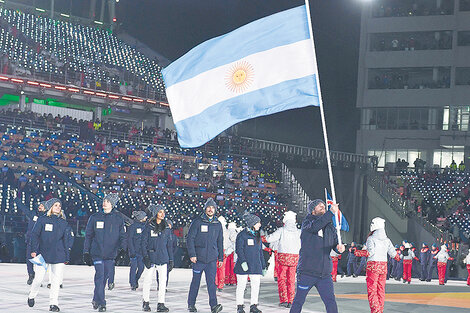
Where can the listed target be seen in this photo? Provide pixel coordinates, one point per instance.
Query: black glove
(147, 262)
(121, 255)
(87, 259)
(170, 266)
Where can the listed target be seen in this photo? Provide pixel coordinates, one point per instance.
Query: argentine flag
(261, 68)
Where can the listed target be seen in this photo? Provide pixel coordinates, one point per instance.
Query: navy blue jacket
(104, 235)
(134, 238)
(314, 256)
(50, 238)
(249, 251)
(425, 256)
(205, 239)
(157, 243)
(31, 222)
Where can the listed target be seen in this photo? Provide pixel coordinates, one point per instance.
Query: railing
(404, 208)
(316, 153)
(295, 190)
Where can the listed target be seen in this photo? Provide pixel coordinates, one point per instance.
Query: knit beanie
(139, 215)
(113, 198)
(312, 204)
(49, 203)
(210, 202)
(250, 219)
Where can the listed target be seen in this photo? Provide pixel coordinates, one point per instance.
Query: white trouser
(50, 276)
(241, 286)
(149, 276)
(57, 274)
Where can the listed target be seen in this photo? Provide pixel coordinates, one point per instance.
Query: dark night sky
(173, 27)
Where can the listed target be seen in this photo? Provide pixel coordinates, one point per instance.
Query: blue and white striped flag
(261, 68)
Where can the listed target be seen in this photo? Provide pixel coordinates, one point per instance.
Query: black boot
(49, 286)
(102, 308)
(162, 308)
(111, 286)
(30, 279)
(134, 288)
(240, 308)
(146, 307)
(95, 305)
(192, 308)
(216, 308)
(54, 308)
(30, 302)
(254, 309)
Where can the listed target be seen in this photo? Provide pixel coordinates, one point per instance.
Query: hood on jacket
(379, 234)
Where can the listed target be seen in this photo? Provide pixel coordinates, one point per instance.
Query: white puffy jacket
(442, 255)
(230, 237)
(467, 259)
(378, 245)
(287, 238)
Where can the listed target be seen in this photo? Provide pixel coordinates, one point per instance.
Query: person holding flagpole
(318, 237)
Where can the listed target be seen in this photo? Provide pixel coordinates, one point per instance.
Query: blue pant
(137, 267)
(110, 276)
(360, 267)
(431, 266)
(351, 267)
(209, 269)
(29, 265)
(399, 270)
(424, 271)
(324, 287)
(102, 269)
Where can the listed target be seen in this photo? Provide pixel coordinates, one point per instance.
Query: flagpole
(323, 122)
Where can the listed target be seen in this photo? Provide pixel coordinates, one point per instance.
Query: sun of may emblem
(239, 77)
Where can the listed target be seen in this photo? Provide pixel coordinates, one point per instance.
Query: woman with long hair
(50, 239)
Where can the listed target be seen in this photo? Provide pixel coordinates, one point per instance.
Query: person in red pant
(467, 261)
(220, 275)
(230, 276)
(287, 240)
(335, 257)
(442, 258)
(408, 256)
(377, 247)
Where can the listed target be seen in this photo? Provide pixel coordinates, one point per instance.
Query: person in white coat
(287, 240)
(467, 261)
(377, 247)
(230, 276)
(408, 256)
(442, 256)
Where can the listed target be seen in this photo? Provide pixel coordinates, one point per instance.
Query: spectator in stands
(103, 245)
(461, 167)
